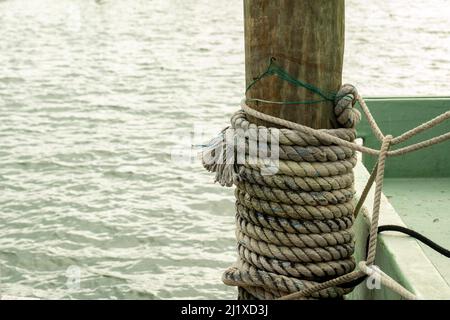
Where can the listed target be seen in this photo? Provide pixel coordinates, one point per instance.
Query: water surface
(94, 96)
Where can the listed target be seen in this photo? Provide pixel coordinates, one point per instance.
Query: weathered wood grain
(307, 39)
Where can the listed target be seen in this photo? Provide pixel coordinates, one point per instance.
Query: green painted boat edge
(398, 115)
(398, 255)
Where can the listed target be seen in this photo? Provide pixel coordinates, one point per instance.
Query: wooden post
(307, 39)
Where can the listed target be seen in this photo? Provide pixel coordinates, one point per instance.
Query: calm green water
(94, 96)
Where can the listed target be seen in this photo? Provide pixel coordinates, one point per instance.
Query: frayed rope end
(219, 156)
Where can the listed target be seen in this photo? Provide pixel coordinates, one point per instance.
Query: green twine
(275, 69)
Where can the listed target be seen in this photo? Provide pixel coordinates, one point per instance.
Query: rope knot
(346, 113)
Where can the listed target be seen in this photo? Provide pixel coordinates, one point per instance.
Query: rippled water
(94, 96)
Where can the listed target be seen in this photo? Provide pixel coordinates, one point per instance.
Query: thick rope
(292, 239)
(246, 275)
(321, 198)
(294, 227)
(294, 211)
(296, 183)
(326, 137)
(302, 226)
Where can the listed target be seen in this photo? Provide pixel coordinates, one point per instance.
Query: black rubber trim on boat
(433, 245)
(390, 227)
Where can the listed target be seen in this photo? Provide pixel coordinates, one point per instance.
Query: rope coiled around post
(294, 227)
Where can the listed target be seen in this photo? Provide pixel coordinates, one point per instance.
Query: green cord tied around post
(273, 69)
(344, 99)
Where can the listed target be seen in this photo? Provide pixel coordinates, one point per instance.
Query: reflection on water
(93, 97)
